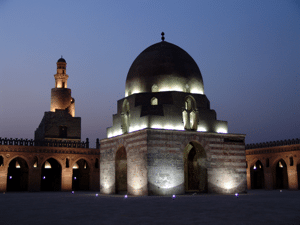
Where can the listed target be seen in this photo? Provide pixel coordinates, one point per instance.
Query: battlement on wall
(49, 143)
(273, 144)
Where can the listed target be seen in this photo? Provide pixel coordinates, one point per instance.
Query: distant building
(165, 139)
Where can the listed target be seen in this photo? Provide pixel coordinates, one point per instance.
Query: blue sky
(248, 53)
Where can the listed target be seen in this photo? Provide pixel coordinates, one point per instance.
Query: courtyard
(255, 207)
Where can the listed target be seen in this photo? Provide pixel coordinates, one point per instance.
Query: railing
(273, 144)
(50, 143)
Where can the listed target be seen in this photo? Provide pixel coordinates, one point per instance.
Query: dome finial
(162, 36)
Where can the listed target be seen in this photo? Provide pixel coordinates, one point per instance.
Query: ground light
(173, 196)
(125, 196)
(237, 195)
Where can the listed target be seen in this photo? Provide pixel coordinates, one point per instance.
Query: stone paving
(255, 207)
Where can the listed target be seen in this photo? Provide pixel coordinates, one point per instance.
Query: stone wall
(157, 158)
(269, 157)
(42, 154)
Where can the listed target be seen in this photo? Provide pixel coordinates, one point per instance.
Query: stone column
(66, 179)
(34, 179)
(3, 178)
(292, 177)
(248, 178)
(268, 176)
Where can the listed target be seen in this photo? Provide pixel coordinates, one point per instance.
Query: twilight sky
(247, 51)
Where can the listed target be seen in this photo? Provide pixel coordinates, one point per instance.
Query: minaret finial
(61, 56)
(162, 36)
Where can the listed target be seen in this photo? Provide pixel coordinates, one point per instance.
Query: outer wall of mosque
(274, 165)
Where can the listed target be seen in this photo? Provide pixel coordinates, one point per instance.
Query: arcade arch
(121, 170)
(280, 176)
(51, 175)
(17, 175)
(81, 175)
(257, 175)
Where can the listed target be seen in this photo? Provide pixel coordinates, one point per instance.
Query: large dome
(164, 67)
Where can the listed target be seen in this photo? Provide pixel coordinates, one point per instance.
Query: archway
(17, 175)
(280, 176)
(51, 176)
(121, 171)
(195, 171)
(81, 176)
(257, 176)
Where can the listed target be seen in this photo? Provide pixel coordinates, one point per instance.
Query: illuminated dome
(164, 67)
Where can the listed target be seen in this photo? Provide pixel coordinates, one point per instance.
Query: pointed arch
(195, 169)
(257, 175)
(190, 114)
(17, 175)
(81, 175)
(154, 101)
(1, 160)
(51, 175)
(280, 176)
(121, 170)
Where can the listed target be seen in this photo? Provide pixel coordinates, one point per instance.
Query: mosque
(164, 140)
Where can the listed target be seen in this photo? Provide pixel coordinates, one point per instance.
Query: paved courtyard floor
(255, 207)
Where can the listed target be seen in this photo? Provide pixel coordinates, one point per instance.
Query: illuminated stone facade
(273, 165)
(165, 139)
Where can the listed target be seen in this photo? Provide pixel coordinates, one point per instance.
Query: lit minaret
(61, 95)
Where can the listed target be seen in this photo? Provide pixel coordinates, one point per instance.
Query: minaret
(60, 123)
(61, 95)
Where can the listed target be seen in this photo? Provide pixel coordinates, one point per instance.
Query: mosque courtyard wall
(26, 168)
(274, 165)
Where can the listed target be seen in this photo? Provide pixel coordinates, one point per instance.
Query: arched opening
(1, 161)
(193, 178)
(154, 101)
(67, 163)
(97, 163)
(154, 88)
(51, 176)
(17, 175)
(121, 171)
(81, 176)
(125, 117)
(189, 114)
(257, 176)
(280, 176)
(195, 171)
